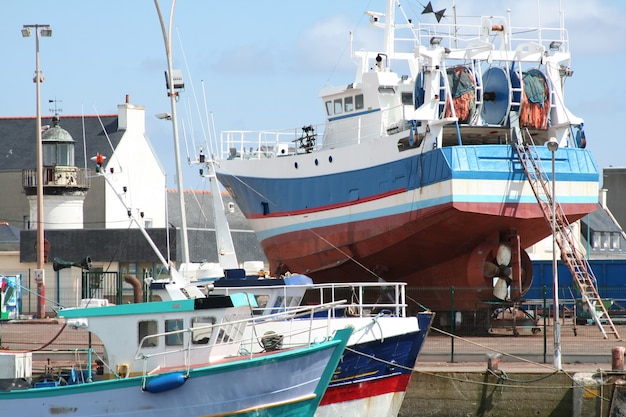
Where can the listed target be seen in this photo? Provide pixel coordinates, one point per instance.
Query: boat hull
(222, 389)
(372, 378)
(421, 218)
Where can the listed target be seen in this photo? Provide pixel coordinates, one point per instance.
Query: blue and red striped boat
(415, 175)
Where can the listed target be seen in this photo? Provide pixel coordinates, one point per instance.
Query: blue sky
(261, 64)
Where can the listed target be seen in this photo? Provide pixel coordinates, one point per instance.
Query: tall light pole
(167, 38)
(553, 145)
(45, 31)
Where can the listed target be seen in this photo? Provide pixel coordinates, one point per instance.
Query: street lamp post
(553, 145)
(167, 38)
(45, 31)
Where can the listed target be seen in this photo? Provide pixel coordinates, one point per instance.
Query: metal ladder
(574, 259)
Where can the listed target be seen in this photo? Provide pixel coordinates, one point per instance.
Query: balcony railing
(59, 177)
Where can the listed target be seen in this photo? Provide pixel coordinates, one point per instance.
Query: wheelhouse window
(329, 108)
(358, 101)
(338, 106)
(348, 104)
(383, 89)
(201, 330)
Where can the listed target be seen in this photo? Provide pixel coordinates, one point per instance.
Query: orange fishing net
(535, 105)
(462, 86)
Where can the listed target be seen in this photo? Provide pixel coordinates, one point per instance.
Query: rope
(292, 217)
(501, 377)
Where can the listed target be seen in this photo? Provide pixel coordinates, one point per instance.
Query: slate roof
(201, 227)
(9, 237)
(129, 245)
(17, 135)
(600, 221)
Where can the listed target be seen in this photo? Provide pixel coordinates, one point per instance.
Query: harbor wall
(486, 394)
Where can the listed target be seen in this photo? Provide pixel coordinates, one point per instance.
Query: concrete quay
(453, 378)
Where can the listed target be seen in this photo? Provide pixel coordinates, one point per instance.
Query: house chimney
(131, 117)
(603, 193)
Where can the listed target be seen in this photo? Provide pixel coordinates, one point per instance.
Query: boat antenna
(213, 126)
(193, 92)
(456, 29)
(212, 138)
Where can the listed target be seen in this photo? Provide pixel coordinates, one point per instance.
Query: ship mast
(390, 19)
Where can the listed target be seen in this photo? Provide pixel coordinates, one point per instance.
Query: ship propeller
(505, 267)
(499, 266)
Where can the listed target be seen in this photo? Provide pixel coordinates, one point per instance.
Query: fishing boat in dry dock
(179, 358)
(417, 173)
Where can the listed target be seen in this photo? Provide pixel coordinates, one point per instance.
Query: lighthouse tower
(64, 185)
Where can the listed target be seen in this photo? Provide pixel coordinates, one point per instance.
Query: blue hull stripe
(478, 163)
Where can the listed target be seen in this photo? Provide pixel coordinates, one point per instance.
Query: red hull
(429, 248)
(351, 392)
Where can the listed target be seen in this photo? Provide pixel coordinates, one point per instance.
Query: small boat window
(348, 104)
(338, 106)
(358, 101)
(329, 108)
(407, 98)
(261, 300)
(296, 301)
(175, 339)
(288, 301)
(279, 305)
(383, 89)
(201, 330)
(147, 328)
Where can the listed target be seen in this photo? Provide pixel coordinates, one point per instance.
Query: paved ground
(583, 350)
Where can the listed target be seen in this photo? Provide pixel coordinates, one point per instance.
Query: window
(595, 240)
(261, 300)
(175, 339)
(65, 154)
(49, 155)
(358, 101)
(615, 239)
(58, 154)
(329, 108)
(348, 104)
(338, 106)
(202, 335)
(407, 98)
(147, 328)
(383, 89)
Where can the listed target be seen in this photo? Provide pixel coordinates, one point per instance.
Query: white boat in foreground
(376, 368)
(179, 358)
